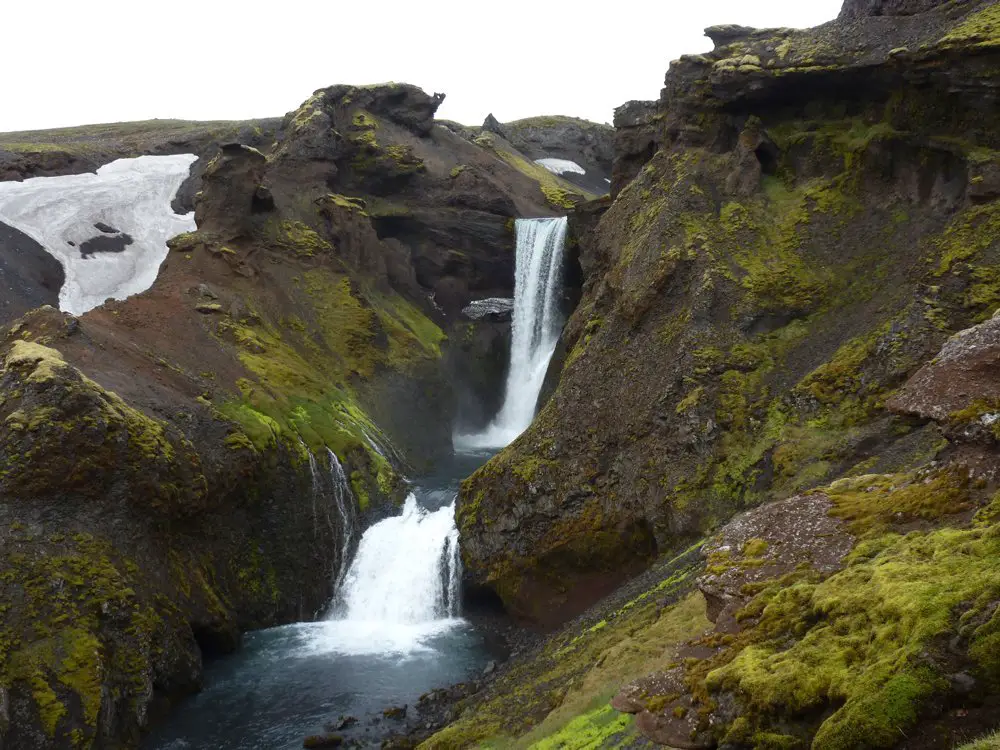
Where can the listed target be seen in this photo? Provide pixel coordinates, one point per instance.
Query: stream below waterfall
(394, 633)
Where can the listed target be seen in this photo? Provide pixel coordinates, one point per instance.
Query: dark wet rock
(323, 741)
(29, 276)
(342, 723)
(396, 713)
(104, 244)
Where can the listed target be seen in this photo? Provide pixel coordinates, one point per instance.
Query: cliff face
(774, 399)
(820, 215)
(164, 475)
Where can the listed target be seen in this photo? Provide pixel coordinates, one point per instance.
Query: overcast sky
(69, 62)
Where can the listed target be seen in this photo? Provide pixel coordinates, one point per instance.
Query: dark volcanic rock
(102, 243)
(862, 8)
(636, 141)
(232, 181)
(29, 276)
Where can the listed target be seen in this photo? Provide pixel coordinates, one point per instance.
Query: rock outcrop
(588, 145)
(29, 276)
(636, 141)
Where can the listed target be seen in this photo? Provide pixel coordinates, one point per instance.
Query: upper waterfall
(537, 325)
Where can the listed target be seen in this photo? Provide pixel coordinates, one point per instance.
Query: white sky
(69, 62)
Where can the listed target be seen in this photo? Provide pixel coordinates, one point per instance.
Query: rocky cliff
(763, 311)
(165, 481)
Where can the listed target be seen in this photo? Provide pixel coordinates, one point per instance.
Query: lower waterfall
(405, 571)
(536, 328)
(393, 632)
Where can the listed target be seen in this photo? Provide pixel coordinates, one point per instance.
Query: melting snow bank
(109, 230)
(561, 166)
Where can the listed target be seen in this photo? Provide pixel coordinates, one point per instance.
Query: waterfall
(406, 569)
(343, 498)
(317, 486)
(537, 325)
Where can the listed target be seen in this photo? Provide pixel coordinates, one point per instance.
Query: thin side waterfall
(343, 497)
(406, 571)
(536, 328)
(337, 488)
(317, 486)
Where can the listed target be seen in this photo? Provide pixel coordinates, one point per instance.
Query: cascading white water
(536, 328)
(402, 587)
(405, 572)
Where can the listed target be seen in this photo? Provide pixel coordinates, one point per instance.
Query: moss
(873, 502)
(68, 595)
(690, 401)
(296, 237)
(589, 731)
(360, 488)
(455, 172)
(364, 120)
(755, 548)
(861, 639)
(529, 467)
(348, 202)
(980, 29)
(558, 197)
(972, 231)
(989, 742)
(559, 699)
(841, 377)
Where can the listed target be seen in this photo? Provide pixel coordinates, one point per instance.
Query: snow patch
(129, 197)
(561, 166)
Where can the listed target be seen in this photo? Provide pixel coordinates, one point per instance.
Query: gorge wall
(755, 415)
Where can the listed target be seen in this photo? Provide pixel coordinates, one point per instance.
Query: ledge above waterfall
(495, 308)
